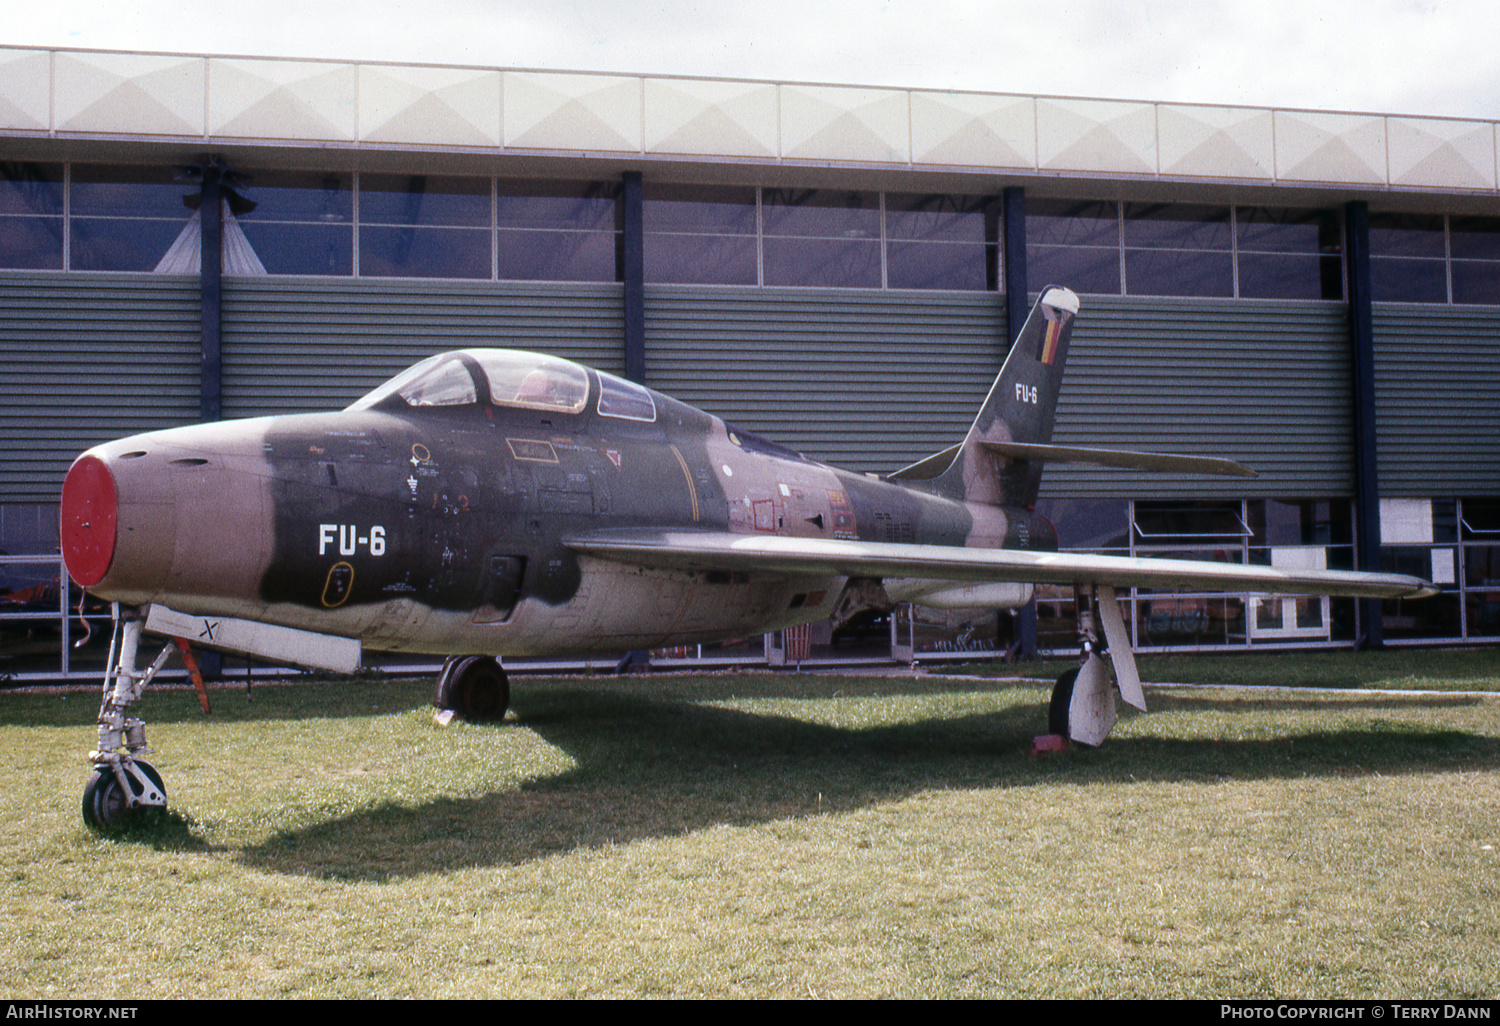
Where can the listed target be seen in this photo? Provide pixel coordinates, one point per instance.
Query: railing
(45, 597)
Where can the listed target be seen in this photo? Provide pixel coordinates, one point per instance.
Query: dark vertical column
(211, 276)
(633, 274)
(1362, 350)
(1016, 308)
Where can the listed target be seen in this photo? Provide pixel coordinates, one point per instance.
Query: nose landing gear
(123, 786)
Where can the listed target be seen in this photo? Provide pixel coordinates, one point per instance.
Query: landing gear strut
(1083, 700)
(475, 687)
(123, 786)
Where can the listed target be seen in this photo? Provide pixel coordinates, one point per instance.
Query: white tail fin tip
(1061, 299)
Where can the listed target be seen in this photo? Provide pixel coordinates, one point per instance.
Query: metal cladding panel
(1437, 386)
(870, 381)
(88, 358)
(1265, 383)
(299, 346)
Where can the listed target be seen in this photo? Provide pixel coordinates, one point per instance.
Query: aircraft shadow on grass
(650, 767)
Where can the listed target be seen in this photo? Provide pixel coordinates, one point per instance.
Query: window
(1408, 258)
(1090, 525)
(420, 226)
(701, 235)
(1291, 522)
(1184, 249)
(1289, 254)
(1306, 533)
(937, 241)
(1204, 524)
(738, 235)
(625, 400)
(447, 384)
(533, 381)
(125, 218)
(556, 231)
(442, 380)
(1433, 258)
(303, 221)
(529, 380)
(822, 237)
(31, 216)
(1175, 249)
(1475, 247)
(1075, 244)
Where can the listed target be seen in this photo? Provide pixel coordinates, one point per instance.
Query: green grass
(762, 835)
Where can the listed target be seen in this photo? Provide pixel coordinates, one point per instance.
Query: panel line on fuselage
(692, 488)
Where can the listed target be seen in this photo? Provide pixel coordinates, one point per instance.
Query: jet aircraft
(490, 503)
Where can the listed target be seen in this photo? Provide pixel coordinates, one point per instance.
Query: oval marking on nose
(338, 584)
(87, 518)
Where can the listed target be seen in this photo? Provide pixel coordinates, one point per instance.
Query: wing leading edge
(707, 550)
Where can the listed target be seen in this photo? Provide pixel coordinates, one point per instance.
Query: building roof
(87, 104)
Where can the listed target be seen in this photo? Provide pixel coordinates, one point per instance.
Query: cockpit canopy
(510, 377)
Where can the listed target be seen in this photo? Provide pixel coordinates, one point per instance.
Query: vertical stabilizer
(1019, 409)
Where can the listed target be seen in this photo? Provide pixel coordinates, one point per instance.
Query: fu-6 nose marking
(349, 539)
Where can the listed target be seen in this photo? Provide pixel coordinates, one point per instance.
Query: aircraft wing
(708, 550)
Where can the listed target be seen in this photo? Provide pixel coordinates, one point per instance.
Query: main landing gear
(474, 687)
(1083, 700)
(123, 787)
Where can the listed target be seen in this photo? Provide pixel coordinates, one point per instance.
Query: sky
(1420, 57)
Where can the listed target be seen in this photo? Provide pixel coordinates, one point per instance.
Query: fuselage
(430, 518)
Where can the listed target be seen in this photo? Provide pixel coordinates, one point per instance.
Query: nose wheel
(118, 796)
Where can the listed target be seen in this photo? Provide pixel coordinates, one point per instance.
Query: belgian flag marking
(1049, 342)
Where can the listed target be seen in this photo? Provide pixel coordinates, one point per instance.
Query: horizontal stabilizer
(1120, 458)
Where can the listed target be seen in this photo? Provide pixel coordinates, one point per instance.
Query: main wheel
(1062, 701)
(476, 688)
(107, 808)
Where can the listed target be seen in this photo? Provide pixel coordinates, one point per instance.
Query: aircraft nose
(169, 516)
(116, 530)
(89, 513)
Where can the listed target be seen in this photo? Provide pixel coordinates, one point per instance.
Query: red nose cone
(87, 529)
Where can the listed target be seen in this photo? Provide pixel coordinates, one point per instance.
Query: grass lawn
(751, 834)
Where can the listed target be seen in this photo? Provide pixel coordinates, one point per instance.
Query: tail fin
(1019, 410)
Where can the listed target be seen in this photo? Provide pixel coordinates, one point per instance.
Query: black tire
(476, 688)
(444, 677)
(106, 808)
(1062, 700)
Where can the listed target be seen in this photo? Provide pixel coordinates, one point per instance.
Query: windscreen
(532, 381)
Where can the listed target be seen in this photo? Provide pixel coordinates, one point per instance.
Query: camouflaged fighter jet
(498, 503)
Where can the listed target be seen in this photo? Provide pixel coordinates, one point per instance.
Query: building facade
(1314, 293)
